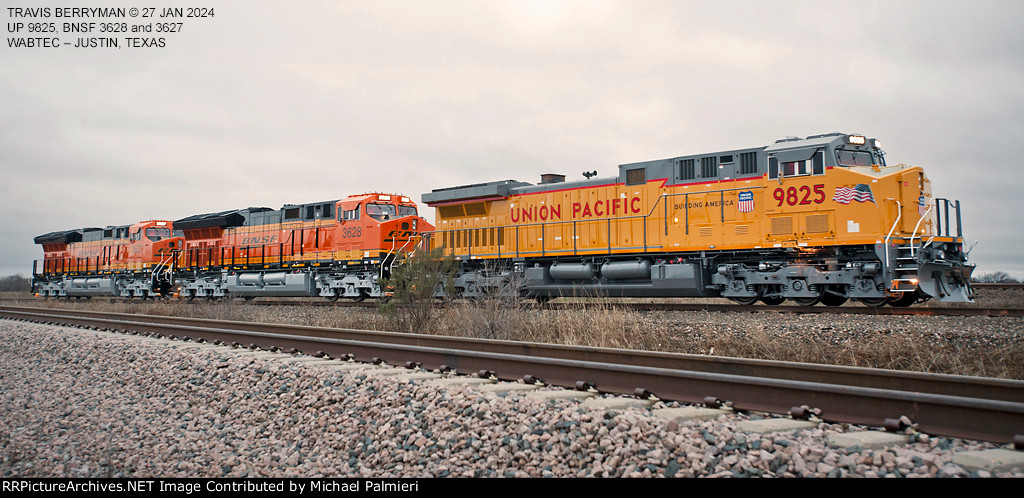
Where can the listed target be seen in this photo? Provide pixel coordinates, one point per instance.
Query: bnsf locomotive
(129, 260)
(816, 219)
(338, 248)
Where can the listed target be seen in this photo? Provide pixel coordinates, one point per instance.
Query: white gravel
(82, 403)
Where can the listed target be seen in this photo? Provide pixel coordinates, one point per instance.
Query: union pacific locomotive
(816, 219)
(338, 248)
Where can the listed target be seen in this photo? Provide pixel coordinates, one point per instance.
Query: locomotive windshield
(380, 212)
(156, 234)
(856, 158)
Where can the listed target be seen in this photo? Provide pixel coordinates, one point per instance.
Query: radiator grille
(782, 225)
(817, 223)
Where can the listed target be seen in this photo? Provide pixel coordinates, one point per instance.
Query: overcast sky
(270, 103)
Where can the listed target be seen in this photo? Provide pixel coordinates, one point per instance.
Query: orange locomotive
(820, 219)
(338, 248)
(128, 261)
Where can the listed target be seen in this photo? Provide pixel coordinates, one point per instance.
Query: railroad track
(945, 405)
(718, 307)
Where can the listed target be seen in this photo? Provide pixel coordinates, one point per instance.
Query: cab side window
(815, 165)
(350, 215)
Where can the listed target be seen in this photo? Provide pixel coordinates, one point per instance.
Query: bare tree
(998, 277)
(15, 283)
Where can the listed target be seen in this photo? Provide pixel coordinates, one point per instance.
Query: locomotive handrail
(945, 214)
(899, 215)
(914, 234)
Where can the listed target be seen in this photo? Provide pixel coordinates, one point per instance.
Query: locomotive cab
(153, 240)
(391, 222)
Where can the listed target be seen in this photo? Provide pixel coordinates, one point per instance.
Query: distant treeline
(15, 283)
(997, 277)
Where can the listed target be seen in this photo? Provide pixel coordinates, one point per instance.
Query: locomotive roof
(65, 236)
(477, 190)
(232, 218)
(787, 149)
(245, 217)
(83, 234)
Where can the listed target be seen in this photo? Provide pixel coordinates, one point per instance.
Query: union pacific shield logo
(746, 202)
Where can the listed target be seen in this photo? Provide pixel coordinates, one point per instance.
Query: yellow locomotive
(816, 219)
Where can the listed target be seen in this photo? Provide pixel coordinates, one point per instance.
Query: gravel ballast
(81, 403)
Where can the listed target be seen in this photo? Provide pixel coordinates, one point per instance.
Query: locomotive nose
(167, 246)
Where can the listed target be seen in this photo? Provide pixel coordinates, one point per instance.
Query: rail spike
(586, 385)
(804, 412)
(645, 394)
(897, 424)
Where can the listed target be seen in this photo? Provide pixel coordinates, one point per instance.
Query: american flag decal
(746, 202)
(860, 193)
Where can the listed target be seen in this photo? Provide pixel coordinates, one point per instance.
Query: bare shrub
(413, 286)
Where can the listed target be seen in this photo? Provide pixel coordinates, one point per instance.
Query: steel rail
(945, 415)
(716, 307)
(949, 385)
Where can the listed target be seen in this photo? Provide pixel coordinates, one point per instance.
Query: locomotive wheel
(874, 302)
(332, 298)
(360, 298)
(745, 301)
(772, 301)
(905, 300)
(807, 301)
(830, 299)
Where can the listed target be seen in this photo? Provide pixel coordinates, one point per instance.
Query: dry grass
(978, 346)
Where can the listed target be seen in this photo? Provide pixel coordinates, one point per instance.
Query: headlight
(876, 143)
(856, 139)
